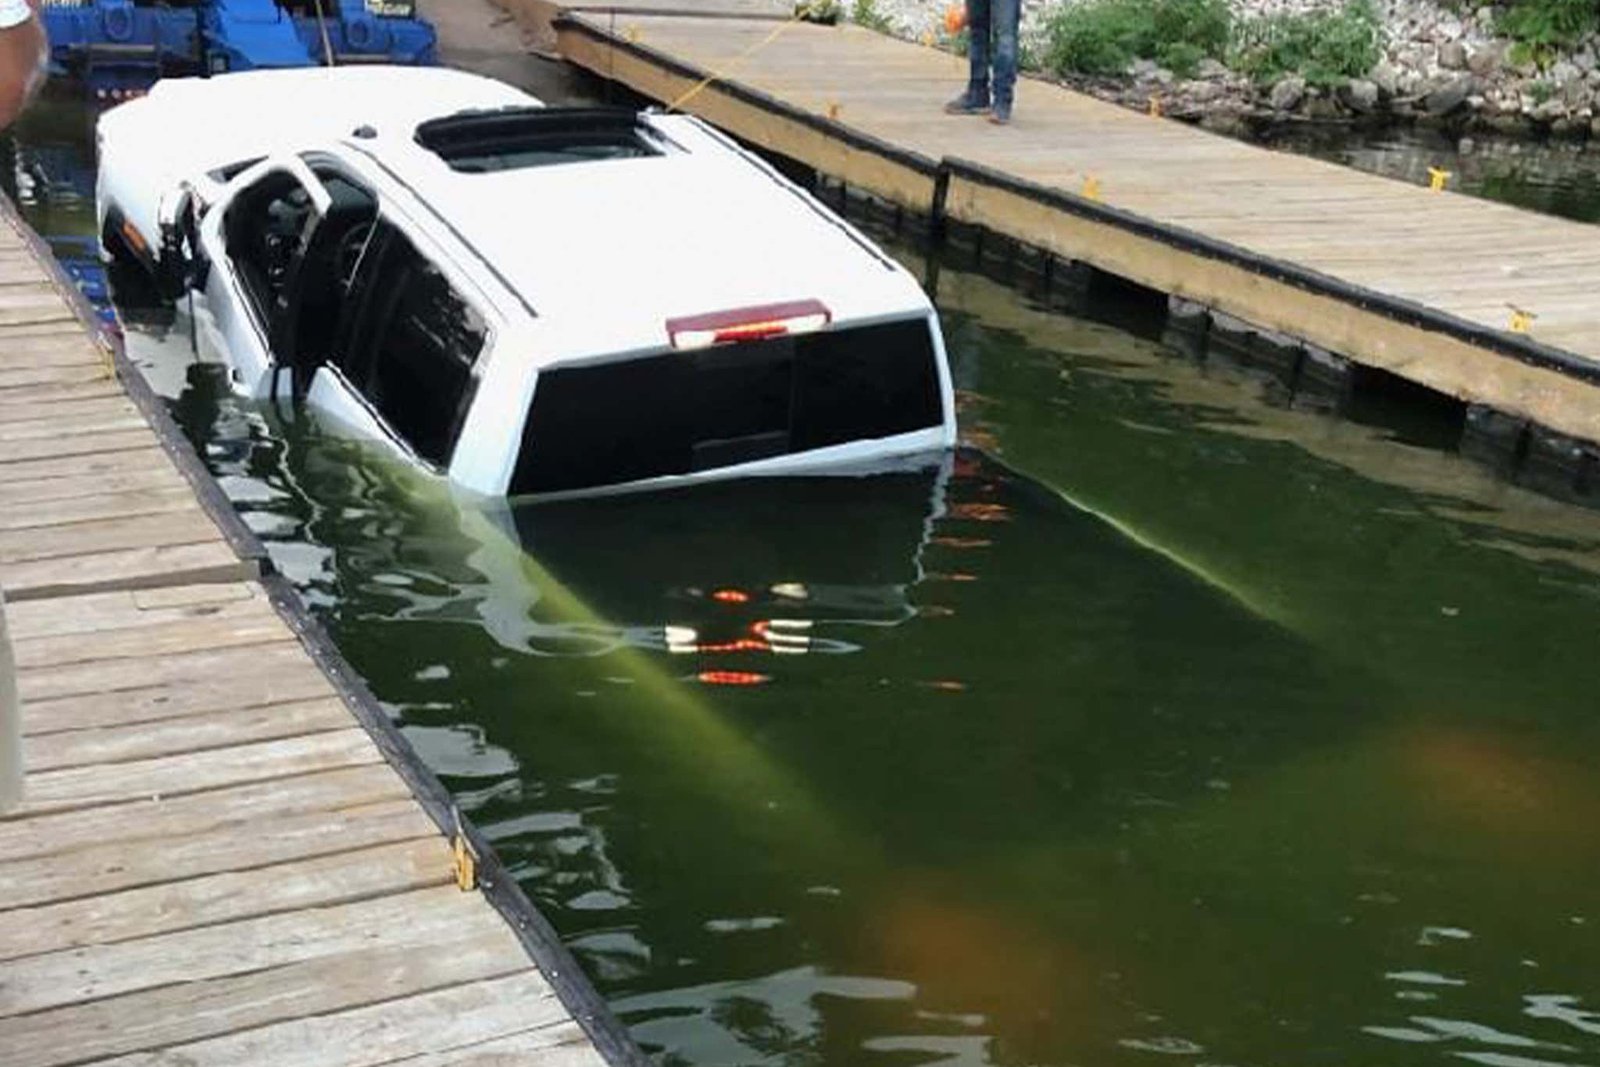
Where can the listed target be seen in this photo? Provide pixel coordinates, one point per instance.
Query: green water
(1227, 732)
(1158, 723)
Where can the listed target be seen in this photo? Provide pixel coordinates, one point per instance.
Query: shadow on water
(1159, 722)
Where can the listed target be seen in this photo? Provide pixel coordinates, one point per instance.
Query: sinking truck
(527, 300)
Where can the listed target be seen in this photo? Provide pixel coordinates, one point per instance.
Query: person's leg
(1005, 15)
(976, 96)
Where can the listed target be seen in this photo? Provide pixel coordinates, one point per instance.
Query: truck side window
(418, 346)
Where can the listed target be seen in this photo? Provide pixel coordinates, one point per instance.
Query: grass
(1104, 36)
(1324, 47)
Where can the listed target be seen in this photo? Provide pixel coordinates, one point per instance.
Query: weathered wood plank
(148, 820)
(223, 628)
(562, 1044)
(29, 398)
(52, 427)
(147, 455)
(353, 873)
(187, 526)
(155, 1019)
(172, 498)
(192, 733)
(201, 560)
(154, 477)
(192, 772)
(112, 866)
(35, 983)
(126, 568)
(84, 444)
(128, 609)
(79, 695)
(62, 346)
(363, 1037)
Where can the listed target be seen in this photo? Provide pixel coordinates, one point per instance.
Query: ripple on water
(1167, 1046)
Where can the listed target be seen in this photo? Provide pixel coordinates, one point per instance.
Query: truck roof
(602, 250)
(607, 250)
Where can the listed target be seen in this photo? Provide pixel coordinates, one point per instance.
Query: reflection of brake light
(733, 678)
(731, 596)
(748, 324)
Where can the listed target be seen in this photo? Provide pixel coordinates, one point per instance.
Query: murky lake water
(1169, 725)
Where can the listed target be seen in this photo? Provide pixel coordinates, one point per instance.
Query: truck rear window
(685, 412)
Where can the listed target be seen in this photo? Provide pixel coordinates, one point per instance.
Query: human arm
(23, 53)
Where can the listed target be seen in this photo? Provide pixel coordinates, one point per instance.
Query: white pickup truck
(527, 300)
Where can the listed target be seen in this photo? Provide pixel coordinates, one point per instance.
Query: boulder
(1210, 69)
(1386, 78)
(1361, 96)
(1453, 55)
(1448, 98)
(1486, 60)
(1287, 93)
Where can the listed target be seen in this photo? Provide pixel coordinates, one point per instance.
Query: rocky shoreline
(1438, 66)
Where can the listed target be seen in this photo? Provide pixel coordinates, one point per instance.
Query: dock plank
(366, 1037)
(116, 866)
(191, 733)
(127, 692)
(209, 560)
(192, 772)
(561, 1044)
(105, 918)
(157, 1019)
(231, 810)
(35, 983)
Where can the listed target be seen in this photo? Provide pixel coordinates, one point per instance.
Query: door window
(264, 231)
(415, 350)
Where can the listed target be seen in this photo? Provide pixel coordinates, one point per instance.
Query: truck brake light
(747, 324)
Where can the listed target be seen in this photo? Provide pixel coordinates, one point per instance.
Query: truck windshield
(686, 412)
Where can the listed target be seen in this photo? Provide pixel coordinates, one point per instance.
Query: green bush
(1324, 47)
(866, 13)
(1104, 36)
(1540, 28)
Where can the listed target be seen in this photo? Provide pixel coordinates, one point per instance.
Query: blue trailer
(119, 47)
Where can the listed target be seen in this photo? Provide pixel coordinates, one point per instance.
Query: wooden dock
(226, 853)
(1423, 284)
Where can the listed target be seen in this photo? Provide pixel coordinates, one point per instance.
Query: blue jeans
(992, 26)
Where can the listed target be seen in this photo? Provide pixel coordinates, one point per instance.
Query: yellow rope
(720, 75)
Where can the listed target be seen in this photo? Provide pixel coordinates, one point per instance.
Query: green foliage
(1541, 27)
(1541, 91)
(825, 12)
(1323, 47)
(1104, 36)
(865, 13)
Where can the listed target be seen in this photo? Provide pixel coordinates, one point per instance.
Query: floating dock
(226, 853)
(1482, 302)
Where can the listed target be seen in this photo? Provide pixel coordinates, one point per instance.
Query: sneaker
(1000, 114)
(971, 102)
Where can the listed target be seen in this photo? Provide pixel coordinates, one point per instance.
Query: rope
(322, 24)
(721, 75)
